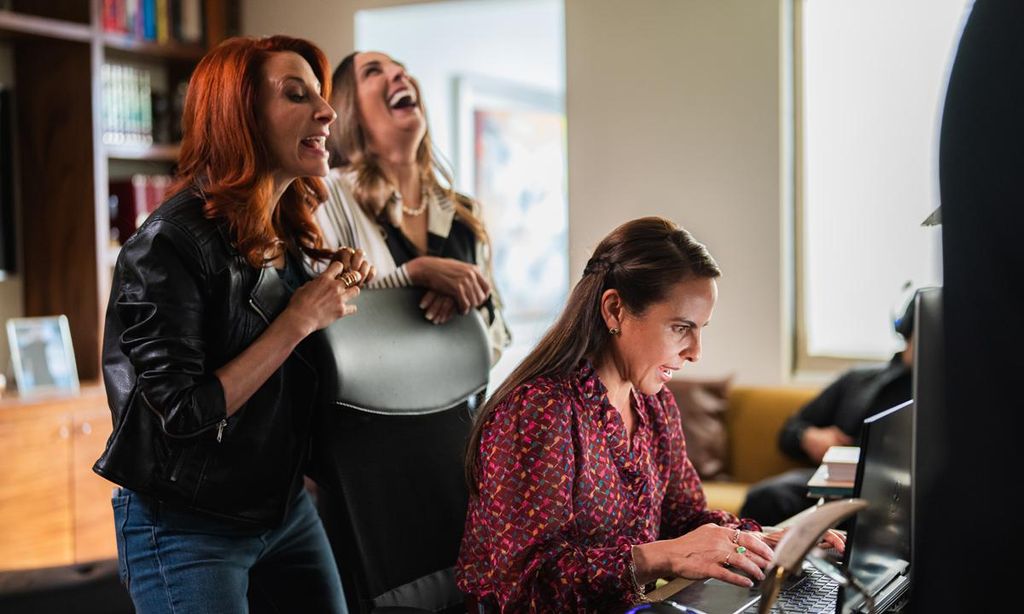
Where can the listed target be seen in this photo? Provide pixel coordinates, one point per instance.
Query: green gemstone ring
(740, 549)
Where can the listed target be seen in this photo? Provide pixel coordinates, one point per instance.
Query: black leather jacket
(183, 303)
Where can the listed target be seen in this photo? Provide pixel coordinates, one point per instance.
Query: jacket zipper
(224, 422)
(177, 466)
(163, 423)
(263, 316)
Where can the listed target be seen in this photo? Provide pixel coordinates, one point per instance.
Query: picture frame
(42, 356)
(510, 155)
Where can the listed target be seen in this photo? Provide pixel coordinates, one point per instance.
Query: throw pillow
(702, 406)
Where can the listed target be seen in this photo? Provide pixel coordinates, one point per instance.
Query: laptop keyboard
(814, 595)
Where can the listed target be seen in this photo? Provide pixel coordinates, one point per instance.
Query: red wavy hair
(224, 156)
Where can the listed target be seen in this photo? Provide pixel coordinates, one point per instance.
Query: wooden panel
(217, 14)
(93, 516)
(35, 498)
(58, 196)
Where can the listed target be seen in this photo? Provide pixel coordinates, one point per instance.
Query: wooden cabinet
(58, 49)
(90, 494)
(53, 509)
(35, 501)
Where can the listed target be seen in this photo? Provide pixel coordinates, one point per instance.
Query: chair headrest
(389, 359)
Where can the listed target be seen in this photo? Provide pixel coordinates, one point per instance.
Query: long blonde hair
(349, 147)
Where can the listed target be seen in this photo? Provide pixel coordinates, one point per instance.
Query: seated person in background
(581, 490)
(833, 418)
(385, 197)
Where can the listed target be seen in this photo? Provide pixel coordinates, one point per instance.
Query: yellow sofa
(753, 418)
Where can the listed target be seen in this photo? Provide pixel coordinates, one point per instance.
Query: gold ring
(348, 250)
(350, 278)
(726, 561)
(736, 537)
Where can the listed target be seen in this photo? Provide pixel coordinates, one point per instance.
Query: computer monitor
(878, 550)
(930, 402)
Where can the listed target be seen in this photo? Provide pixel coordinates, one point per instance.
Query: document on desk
(821, 486)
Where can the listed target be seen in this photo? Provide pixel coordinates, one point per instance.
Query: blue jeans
(176, 561)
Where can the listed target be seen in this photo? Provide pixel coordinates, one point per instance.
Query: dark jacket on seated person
(856, 395)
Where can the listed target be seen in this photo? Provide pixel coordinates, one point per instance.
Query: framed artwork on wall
(510, 156)
(42, 357)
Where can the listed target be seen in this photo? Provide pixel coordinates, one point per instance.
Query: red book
(156, 191)
(140, 186)
(109, 16)
(122, 208)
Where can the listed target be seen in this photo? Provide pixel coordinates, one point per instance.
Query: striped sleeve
(399, 278)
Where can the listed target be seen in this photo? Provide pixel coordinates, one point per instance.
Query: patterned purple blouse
(564, 497)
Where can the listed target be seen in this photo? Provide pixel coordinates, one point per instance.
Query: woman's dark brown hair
(224, 156)
(642, 259)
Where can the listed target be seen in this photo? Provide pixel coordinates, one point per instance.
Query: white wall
(519, 41)
(328, 23)
(673, 108)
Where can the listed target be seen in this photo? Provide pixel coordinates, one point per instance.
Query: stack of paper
(820, 486)
(841, 463)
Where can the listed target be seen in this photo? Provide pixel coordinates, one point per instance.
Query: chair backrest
(398, 395)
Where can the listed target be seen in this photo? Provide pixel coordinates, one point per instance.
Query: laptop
(877, 548)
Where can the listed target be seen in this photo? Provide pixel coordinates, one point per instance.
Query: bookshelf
(58, 49)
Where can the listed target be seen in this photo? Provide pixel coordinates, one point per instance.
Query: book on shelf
(841, 462)
(132, 199)
(157, 21)
(189, 24)
(127, 105)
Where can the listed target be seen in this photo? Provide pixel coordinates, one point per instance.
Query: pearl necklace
(424, 201)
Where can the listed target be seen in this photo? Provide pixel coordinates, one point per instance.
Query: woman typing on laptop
(582, 493)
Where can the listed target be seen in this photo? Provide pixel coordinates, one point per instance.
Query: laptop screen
(878, 548)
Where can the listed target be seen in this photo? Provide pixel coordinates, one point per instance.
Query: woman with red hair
(204, 355)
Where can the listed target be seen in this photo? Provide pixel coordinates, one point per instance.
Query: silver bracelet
(639, 589)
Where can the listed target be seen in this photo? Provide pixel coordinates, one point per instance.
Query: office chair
(397, 397)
